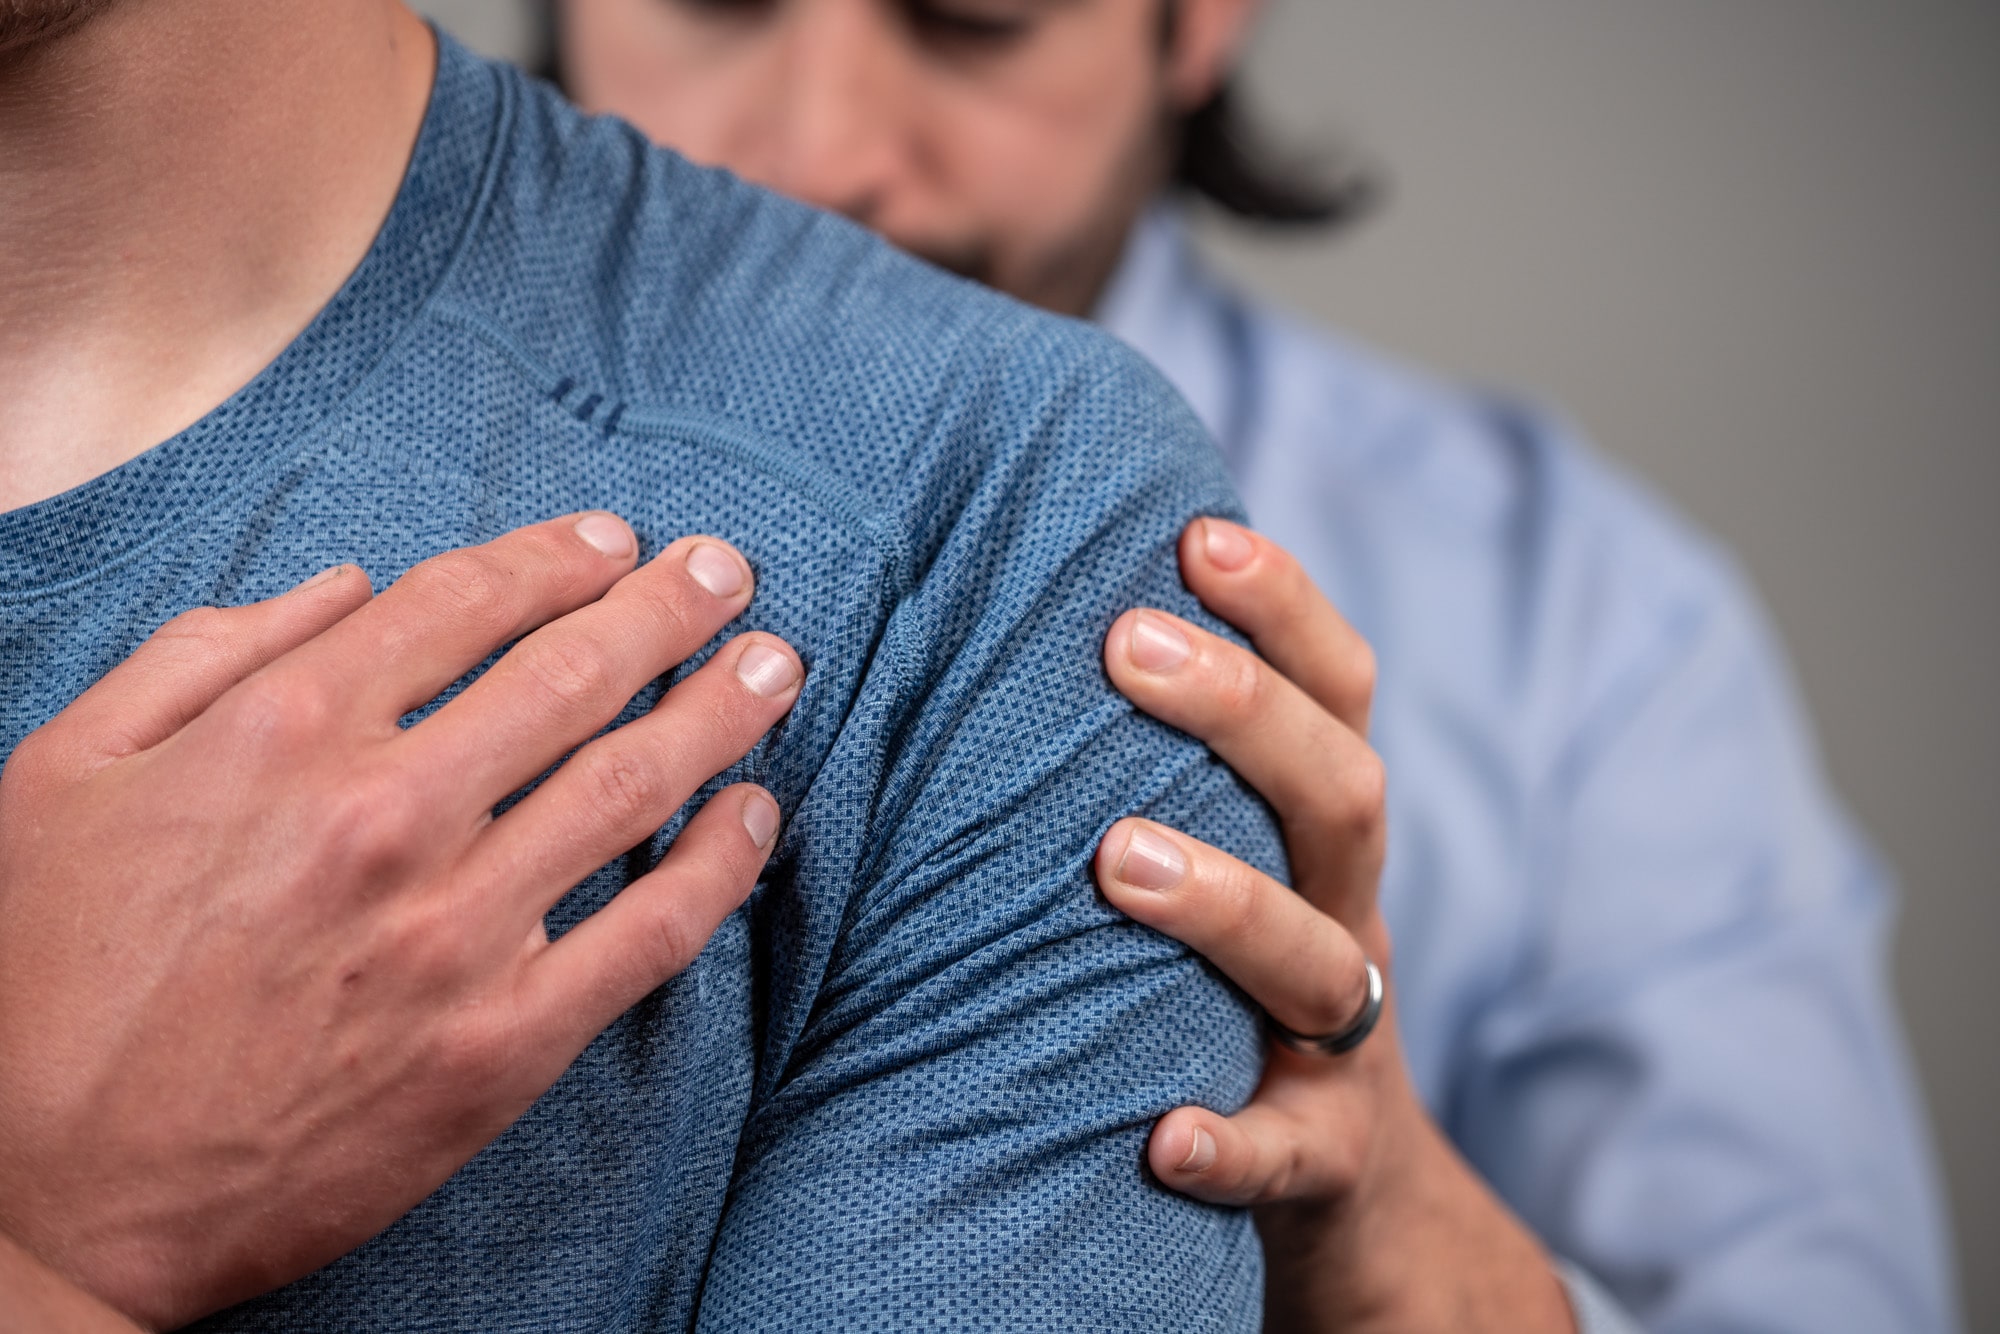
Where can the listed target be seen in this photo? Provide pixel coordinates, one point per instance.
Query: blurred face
(1013, 141)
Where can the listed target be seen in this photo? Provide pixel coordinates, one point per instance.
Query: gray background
(1754, 247)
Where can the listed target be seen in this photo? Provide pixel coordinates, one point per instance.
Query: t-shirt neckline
(114, 516)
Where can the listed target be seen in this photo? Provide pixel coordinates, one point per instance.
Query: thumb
(1239, 1160)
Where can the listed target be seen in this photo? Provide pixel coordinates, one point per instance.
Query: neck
(183, 185)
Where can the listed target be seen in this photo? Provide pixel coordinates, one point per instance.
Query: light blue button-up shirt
(1640, 949)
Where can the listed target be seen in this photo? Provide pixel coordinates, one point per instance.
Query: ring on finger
(1347, 1039)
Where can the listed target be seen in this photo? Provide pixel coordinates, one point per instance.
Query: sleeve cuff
(1595, 1311)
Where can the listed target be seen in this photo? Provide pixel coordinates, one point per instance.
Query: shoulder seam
(622, 417)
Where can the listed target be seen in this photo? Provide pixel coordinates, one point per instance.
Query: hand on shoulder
(273, 970)
(1370, 1219)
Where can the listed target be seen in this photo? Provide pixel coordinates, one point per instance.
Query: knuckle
(465, 586)
(1236, 902)
(420, 941)
(716, 720)
(718, 716)
(621, 783)
(1286, 578)
(571, 673)
(1325, 1009)
(1355, 794)
(200, 624)
(368, 825)
(278, 711)
(1287, 1169)
(1365, 785)
(197, 640)
(553, 558)
(664, 944)
(1312, 1169)
(731, 727)
(671, 616)
(1238, 683)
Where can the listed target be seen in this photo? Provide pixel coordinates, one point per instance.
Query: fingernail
(1201, 1152)
(760, 818)
(716, 570)
(1229, 547)
(319, 578)
(766, 671)
(1150, 862)
(608, 533)
(1157, 644)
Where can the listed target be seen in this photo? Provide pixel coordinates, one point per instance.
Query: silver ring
(1347, 1039)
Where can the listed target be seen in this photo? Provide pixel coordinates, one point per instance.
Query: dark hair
(547, 63)
(1225, 158)
(1220, 154)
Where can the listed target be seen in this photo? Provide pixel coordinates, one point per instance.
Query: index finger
(562, 683)
(1323, 781)
(1297, 962)
(1262, 590)
(447, 614)
(187, 664)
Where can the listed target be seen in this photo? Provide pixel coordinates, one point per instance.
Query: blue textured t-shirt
(909, 1084)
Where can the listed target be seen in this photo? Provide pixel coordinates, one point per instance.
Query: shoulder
(664, 294)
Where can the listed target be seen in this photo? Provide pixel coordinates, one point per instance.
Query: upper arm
(961, 1135)
(1699, 1090)
(958, 1132)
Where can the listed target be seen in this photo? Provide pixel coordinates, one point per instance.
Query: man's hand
(1371, 1221)
(272, 970)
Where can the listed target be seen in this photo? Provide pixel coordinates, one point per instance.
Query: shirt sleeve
(1697, 1090)
(1596, 1311)
(956, 1138)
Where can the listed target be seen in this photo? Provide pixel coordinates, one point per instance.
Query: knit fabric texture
(909, 1084)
